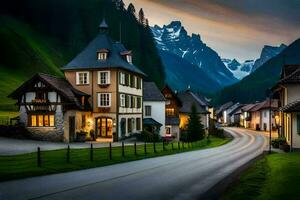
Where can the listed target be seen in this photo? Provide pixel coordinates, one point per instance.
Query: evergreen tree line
(72, 24)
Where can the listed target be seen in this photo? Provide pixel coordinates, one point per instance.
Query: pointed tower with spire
(103, 27)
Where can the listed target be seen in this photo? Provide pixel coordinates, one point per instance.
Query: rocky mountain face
(267, 53)
(174, 39)
(240, 70)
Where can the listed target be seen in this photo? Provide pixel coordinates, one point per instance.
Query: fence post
(123, 151)
(91, 153)
(178, 145)
(110, 151)
(68, 154)
(154, 147)
(182, 145)
(172, 147)
(164, 148)
(39, 157)
(145, 148)
(135, 149)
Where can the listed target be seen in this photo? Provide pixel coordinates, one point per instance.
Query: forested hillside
(42, 36)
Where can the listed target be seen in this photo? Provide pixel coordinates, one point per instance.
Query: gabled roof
(151, 92)
(248, 107)
(188, 99)
(223, 107)
(290, 74)
(174, 95)
(237, 109)
(61, 85)
(87, 58)
(291, 107)
(265, 105)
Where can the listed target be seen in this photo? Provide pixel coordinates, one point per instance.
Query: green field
(20, 166)
(277, 176)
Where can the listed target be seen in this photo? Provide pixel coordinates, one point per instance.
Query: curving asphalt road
(181, 176)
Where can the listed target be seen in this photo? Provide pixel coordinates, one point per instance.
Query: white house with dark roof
(154, 105)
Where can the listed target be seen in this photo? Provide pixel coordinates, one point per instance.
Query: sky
(234, 28)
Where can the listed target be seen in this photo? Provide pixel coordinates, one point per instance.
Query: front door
(104, 127)
(72, 129)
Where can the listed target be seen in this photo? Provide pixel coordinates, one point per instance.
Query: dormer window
(129, 58)
(102, 54)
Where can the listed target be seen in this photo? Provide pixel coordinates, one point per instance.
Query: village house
(173, 104)
(154, 105)
(288, 89)
(235, 115)
(246, 115)
(227, 113)
(101, 95)
(188, 99)
(220, 112)
(260, 115)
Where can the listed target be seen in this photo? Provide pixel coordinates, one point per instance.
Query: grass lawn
(20, 166)
(277, 176)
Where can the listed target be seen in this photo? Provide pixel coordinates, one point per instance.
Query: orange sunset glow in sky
(234, 28)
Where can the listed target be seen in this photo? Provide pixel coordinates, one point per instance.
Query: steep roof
(223, 107)
(87, 58)
(237, 109)
(291, 107)
(151, 92)
(290, 74)
(61, 85)
(265, 105)
(248, 107)
(188, 99)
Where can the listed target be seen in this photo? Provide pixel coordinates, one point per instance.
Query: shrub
(278, 142)
(147, 136)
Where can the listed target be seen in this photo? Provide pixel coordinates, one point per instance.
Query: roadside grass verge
(276, 176)
(21, 166)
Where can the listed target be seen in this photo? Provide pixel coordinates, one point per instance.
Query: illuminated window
(51, 119)
(122, 78)
(33, 120)
(102, 56)
(170, 111)
(41, 120)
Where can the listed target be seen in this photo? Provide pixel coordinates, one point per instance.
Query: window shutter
(127, 79)
(88, 78)
(298, 124)
(120, 78)
(126, 101)
(109, 96)
(77, 78)
(99, 78)
(98, 95)
(108, 77)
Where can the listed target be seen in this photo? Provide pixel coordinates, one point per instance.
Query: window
(122, 100)
(265, 113)
(133, 102)
(147, 110)
(40, 95)
(139, 102)
(170, 111)
(102, 55)
(129, 59)
(138, 83)
(138, 124)
(103, 77)
(104, 99)
(132, 81)
(122, 78)
(82, 78)
(41, 120)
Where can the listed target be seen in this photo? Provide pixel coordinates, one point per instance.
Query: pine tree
(131, 9)
(195, 130)
(141, 17)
